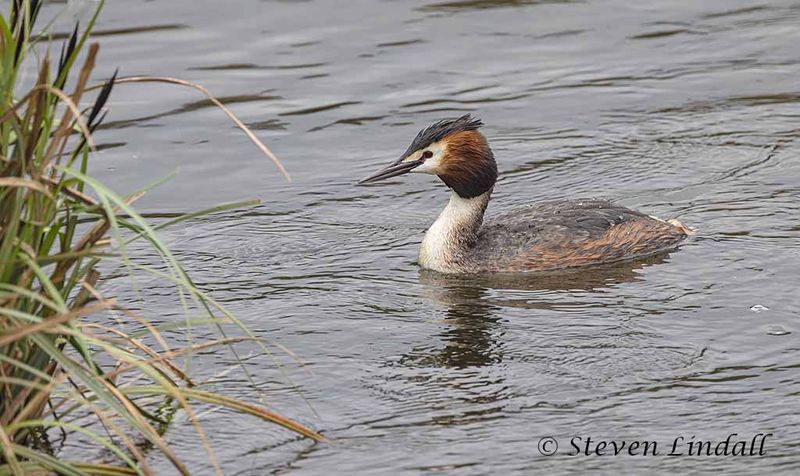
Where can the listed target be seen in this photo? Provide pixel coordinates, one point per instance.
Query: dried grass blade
(47, 324)
(249, 133)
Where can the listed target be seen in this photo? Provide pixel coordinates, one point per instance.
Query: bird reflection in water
(472, 345)
(473, 337)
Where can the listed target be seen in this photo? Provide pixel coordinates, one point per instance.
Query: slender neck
(448, 240)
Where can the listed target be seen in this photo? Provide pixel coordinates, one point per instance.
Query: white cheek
(432, 165)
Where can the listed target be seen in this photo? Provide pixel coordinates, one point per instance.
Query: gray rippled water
(680, 109)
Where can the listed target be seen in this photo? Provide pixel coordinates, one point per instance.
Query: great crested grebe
(540, 237)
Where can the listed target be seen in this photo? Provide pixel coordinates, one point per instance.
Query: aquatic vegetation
(64, 369)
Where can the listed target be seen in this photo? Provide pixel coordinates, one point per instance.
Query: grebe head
(452, 149)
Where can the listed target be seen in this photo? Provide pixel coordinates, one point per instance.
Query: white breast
(433, 252)
(461, 216)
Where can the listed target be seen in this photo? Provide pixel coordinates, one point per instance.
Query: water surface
(680, 109)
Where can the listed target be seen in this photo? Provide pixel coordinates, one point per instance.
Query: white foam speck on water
(777, 331)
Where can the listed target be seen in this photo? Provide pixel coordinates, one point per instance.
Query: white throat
(451, 235)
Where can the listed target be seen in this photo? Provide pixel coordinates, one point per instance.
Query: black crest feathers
(439, 130)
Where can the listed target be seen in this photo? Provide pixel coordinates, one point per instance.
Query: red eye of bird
(427, 154)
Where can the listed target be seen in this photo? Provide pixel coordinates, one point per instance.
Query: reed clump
(59, 228)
